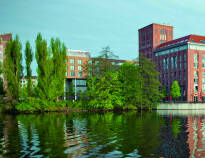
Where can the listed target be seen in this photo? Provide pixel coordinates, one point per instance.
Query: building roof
(185, 39)
(6, 37)
(155, 24)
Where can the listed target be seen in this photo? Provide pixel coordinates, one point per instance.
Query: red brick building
(181, 59)
(4, 38)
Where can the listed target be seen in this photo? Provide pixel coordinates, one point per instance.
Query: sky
(90, 25)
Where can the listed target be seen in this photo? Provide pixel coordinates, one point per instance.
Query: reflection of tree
(173, 139)
(45, 134)
(128, 134)
(175, 126)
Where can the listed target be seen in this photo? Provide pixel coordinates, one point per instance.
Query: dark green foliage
(164, 92)
(151, 95)
(131, 79)
(175, 90)
(2, 92)
(13, 68)
(29, 58)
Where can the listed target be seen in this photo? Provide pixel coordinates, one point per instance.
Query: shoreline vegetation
(110, 87)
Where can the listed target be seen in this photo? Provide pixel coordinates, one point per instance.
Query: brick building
(4, 38)
(75, 68)
(182, 59)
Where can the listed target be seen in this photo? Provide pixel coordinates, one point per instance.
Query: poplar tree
(13, 68)
(59, 67)
(51, 68)
(44, 69)
(29, 58)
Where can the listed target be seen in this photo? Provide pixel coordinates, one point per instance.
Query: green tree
(106, 92)
(164, 92)
(175, 90)
(44, 68)
(130, 77)
(151, 85)
(13, 68)
(102, 64)
(29, 58)
(59, 67)
(51, 68)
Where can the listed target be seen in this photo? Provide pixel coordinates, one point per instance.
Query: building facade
(182, 59)
(4, 38)
(75, 74)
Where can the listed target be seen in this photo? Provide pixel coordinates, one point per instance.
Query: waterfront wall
(181, 106)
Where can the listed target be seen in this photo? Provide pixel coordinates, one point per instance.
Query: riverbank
(181, 106)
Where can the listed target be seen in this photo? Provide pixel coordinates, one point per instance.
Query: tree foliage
(175, 90)
(131, 79)
(13, 67)
(51, 68)
(29, 58)
(151, 94)
(102, 64)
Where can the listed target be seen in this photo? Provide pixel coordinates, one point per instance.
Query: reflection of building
(76, 140)
(196, 136)
(182, 59)
(75, 68)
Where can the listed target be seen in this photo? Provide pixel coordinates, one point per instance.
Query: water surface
(130, 134)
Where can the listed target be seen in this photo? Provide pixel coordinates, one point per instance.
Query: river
(167, 134)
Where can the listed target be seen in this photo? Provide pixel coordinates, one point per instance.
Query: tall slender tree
(13, 68)
(59, 67)
(51, 68)
(29, 58)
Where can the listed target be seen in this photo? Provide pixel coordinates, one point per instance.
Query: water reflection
(131, 134)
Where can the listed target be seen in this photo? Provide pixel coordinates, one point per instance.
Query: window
(155, 41)
(170, 33)
(195, 61)
(80, 74)
(172, 62)
(72, 67)
(96, 62)
(155, 31)
(192, 40)
(97, 69)
(89, 62)
(203, 61)
(80, 68)
(196, 74)
(79, 61)
(195, 87)
(72, 61)
(202, 41)
(72, 73)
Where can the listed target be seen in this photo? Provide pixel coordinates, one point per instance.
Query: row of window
(173, 62)
(72, 67)
(163, 31)
(72, 61)
(72, 73)
(196, 64)
(177, 49)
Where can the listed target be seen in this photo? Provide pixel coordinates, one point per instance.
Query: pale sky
(92, 24)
